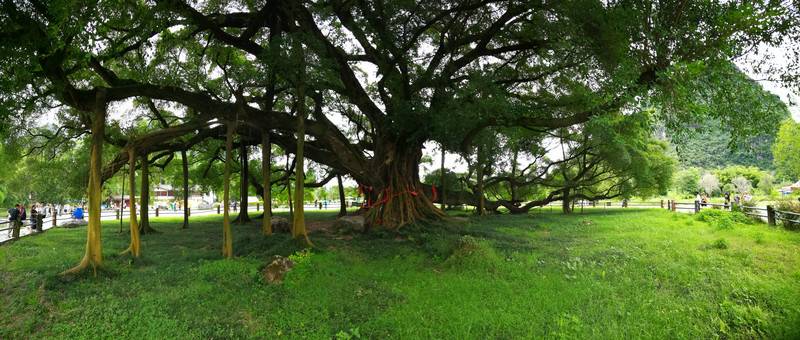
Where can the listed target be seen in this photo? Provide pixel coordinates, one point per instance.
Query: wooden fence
(769, 214)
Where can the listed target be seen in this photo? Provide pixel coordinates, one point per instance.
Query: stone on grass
(73, 223)
(275, 271)
(347, 224)
(280, 224)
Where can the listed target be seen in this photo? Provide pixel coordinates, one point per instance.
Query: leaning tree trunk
(266, 174)
(144, 209)
(399, 198)
(185, 190)
(244, 175)
(135, 246)
(227, 237)
(94, 253)
(342, 202)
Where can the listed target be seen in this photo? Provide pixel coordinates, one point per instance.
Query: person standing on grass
(13, 216)
(34, 212)
(22, 214)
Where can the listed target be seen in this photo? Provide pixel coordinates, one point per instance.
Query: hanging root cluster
(401, 202)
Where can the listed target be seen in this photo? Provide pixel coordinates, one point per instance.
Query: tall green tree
(786, 150)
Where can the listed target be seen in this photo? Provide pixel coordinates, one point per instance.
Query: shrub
(720, 244)
(473, 254)
(789, 205)
(722, 219)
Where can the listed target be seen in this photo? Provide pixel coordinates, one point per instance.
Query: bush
(789, 205)
(473, 254)
(722, 219)
(720, 244)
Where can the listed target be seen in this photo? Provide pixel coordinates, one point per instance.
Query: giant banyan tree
(381, 78)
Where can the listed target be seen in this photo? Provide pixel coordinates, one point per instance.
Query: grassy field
(614, 274)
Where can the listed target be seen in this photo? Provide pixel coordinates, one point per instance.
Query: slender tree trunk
(144, 208)
(298, 221)
(94, 253)
(480, 173)
(122, 200)
(185, 190)
(243, 181)
(512, 184)
(342, 202)
(481, 197)
(227, 237)
(441, 184)
(135, 246)
(289, 190)
(266, 174)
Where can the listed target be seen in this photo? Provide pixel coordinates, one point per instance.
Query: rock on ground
(280, 224)
(275, 271)
(74, 223)
(346, 224)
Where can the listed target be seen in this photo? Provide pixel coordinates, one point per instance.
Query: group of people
(18, 215)
(703, 200)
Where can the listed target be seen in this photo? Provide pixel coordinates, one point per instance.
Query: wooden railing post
(55, 217)
(662, 204)
(258, 206)
(696, 207)
(770, 215)
(218, 210)
(156, 211)
(189, 211)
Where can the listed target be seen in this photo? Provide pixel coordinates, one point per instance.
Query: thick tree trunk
(144, 207)
(227, 237)
(566, 202)
(244, 176)
(94, 253)
(342, 202)
(266, 174)
(399, 198)
(185, 190)
(135, 246)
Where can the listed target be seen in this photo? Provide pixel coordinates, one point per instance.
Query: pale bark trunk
(94, 253)
(135, 246)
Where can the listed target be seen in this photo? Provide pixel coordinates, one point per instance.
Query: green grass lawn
(612, 274)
